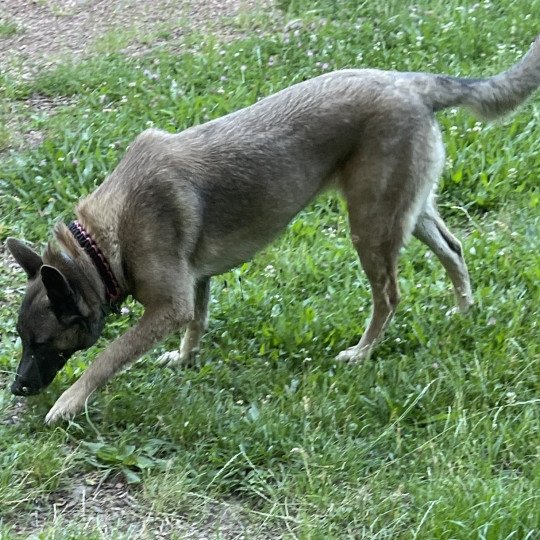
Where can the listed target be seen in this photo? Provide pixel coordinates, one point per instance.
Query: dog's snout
(18, 389)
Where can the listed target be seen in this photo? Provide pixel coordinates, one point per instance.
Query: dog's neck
(86, 242)
(74, 261)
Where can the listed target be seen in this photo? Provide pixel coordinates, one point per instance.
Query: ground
(267, 436)
(43, 34)
(51, 29)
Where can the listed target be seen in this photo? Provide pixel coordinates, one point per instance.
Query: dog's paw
(454, 311)
(463, 309)
(66, 407)
(465, 306)
(169, 358)
(176, 359)
(353, 355)
(464, 302)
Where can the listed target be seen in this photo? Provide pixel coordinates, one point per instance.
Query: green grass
(7, 28)
(437, 436)
(5, 136)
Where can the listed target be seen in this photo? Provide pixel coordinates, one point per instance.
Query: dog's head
(54, 322)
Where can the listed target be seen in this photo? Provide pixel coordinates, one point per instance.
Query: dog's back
(236, 182)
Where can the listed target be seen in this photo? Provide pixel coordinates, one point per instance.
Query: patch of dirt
(109, 507)
(10, 270)
(16, 115)
(50, 30)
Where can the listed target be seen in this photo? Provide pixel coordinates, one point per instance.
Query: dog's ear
(61, 295)
(27, 258)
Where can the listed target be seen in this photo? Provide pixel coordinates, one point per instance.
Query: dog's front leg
(154, 325)
(194, 330)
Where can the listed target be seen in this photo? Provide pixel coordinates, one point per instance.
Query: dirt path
(45, 31)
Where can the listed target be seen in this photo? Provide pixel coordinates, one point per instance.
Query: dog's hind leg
(432, 231)
(378, 232)
(386, 186)
(194, 330)
(379, 261)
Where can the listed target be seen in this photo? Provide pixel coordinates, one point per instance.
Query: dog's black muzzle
(29, 379)
(36, 372)
(18, 388)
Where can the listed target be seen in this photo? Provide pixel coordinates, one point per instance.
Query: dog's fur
(181, 208)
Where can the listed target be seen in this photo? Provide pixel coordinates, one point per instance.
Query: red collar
(112, 289)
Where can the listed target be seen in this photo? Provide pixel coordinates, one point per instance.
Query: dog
(181, 208)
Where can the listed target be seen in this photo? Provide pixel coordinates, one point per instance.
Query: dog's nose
(18, 389)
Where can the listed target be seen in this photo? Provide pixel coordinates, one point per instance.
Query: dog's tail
(492, 97)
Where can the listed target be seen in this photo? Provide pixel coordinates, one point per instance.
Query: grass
(436, 437)
(7, 28)
(5, 137)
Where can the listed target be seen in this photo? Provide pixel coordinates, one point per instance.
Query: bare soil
(110, 507)
(50, 30)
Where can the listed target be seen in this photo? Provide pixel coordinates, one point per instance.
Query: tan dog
(181, 208)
